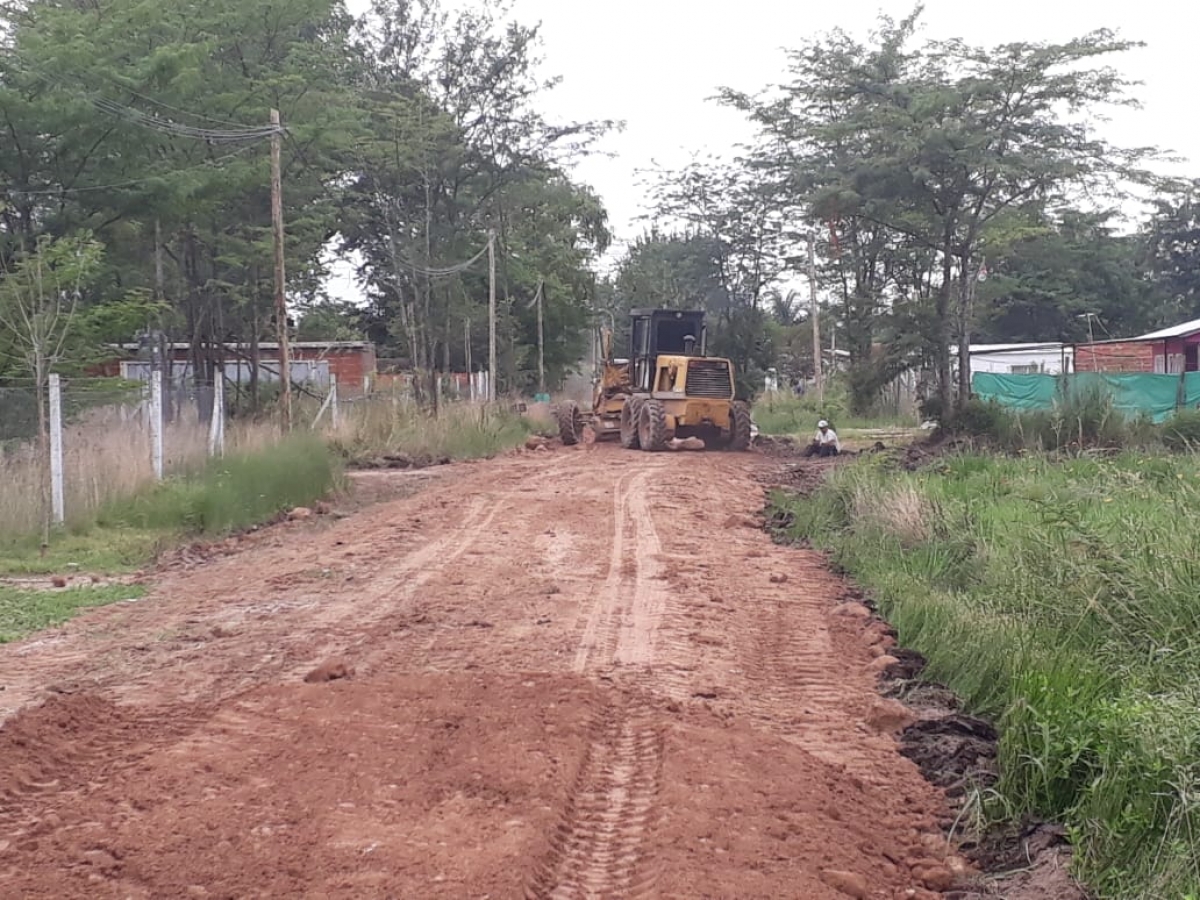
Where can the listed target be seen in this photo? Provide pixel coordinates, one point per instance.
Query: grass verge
(23, 612)
(1060, 599)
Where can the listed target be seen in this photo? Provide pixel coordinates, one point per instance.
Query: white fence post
(335, 412)
(216, 426)
(56, 451)
(156, 423)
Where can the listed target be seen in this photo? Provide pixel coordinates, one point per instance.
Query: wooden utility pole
(815, 313)
(541, 341)
(492, 315)
(285, 370)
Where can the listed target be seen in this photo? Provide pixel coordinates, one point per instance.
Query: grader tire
(652, 426)
(739, 427)
(629, 424)
(570, 424)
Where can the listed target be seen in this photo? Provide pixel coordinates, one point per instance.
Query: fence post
(334, 411)
(156, 423)
(56, 451)
(216, 427)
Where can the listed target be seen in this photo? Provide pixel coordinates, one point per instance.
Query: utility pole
(492, 315)
(815, 313)
(285, 370)
(541, 341)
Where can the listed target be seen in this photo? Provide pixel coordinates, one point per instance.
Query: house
(1167, 351)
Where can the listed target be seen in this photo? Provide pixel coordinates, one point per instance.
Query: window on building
(1025, 369)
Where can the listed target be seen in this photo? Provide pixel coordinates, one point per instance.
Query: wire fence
(95, 440)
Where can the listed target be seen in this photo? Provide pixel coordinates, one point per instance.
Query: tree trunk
(965, 296)
(942, 331)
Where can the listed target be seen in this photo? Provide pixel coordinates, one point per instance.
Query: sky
(655, 63)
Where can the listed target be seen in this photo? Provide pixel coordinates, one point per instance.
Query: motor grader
(667, 391)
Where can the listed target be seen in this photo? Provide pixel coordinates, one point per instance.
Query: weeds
(787, 414)
(1059, 599)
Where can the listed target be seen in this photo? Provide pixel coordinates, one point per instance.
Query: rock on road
(577, 674)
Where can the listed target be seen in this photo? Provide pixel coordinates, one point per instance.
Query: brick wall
(1120, 357)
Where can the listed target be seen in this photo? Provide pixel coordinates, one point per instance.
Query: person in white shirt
(825, 443)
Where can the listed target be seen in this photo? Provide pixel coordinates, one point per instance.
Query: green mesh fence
(1132, 394)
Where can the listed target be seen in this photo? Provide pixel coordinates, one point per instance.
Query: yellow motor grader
(665, 392)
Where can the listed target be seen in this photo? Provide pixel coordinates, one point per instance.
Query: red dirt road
(577, 674)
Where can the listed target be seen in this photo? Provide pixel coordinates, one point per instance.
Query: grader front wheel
(570, 424)
(652, 426)
(739, 427)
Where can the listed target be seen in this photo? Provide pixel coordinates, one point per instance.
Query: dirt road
(577, 674)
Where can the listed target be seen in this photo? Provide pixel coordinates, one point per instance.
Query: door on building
(1190, 358)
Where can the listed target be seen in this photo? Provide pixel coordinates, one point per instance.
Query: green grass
(786, 414)
(23, 612)
(231, 493)
(1062, 599)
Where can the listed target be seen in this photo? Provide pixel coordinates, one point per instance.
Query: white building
(1021, 359)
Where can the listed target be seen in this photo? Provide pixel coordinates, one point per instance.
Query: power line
(138, 117)
(210, 163)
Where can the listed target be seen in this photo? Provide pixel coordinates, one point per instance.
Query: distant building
(1168, 351)
(312, 362)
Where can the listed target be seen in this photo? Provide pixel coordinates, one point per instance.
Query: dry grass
(106, 456)
(900, 510)
(390, 424)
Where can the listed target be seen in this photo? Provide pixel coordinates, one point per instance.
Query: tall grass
(1062, 599)
(383, 424)
(106, 456)
(231, 493)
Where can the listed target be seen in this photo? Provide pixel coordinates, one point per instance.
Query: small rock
(329, 671)
(58, 581)
(936, 878)
(849, 883)
(101, 859)
(300, 512)
(533, 442)
(888, 715)
(779, 578)
(853, 610)
(878, 665)
(322, 508)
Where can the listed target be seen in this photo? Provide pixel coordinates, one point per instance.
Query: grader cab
(666, 391)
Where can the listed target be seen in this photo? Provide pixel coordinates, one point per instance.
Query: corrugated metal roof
(1174, 331)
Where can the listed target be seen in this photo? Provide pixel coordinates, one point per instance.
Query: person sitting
(825, 443)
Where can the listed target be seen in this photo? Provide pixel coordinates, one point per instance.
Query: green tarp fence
(1133, 394)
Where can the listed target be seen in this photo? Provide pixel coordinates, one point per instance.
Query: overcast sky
(654, 63)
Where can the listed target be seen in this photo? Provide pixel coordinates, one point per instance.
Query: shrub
(1183, 431)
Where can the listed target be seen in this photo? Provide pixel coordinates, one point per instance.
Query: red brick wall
(1122, 357)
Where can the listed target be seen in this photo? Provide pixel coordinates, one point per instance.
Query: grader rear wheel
(570, 424)
(629, 424)
(652, 426)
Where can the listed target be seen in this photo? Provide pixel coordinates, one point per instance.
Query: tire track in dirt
(596, 853)
(596, 850)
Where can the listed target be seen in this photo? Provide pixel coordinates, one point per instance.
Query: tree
(39, 301)
(935, 144)
(1173, 248)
